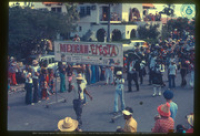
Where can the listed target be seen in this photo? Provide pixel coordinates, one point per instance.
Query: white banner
(96, 53)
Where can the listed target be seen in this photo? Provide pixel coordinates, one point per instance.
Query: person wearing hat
(35, 75)
(172, 72)
(68, 125)
(79, 89)
(157, 78)
(119, 92)
(13, 68)
(130, 124)
(190, 120)
(142, 71)
(168, 95)
(109, 75)
(163, 122)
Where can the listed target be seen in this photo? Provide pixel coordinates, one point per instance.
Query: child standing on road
(119, 92)
(51, 82)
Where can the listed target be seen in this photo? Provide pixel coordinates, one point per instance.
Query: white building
(125, 18)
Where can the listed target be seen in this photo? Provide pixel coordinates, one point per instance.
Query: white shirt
(35, 69)
(131, 66)
(172, 69)
(27, 80)
(120, 83)
(76, 93)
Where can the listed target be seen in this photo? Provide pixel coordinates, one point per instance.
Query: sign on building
(95, 53)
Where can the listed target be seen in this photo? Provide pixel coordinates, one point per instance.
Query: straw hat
(79, 77)
(34, 62)
(164, 110)
(119, 73)
(76, 66)
(190, 119)
(144, 62)
(126, 112)
(67, 125)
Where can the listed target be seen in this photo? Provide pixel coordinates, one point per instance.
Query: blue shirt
(173, 109)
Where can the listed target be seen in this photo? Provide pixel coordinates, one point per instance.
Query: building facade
(125, 18)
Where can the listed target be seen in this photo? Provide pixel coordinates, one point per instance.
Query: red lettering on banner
(113, 52)
(105, 49)
(108, 48)
(77, 48)
(69, 48)
(93, 49)
(86, 49)
(62, 48)
(100, 50)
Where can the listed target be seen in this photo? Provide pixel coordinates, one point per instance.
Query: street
(96, 115)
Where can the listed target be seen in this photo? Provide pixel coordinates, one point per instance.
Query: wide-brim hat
(168, 95)
(126, 112)
(67, 124)
(34, 62)
(164, 110)
(79, 77)
(190, 119)
(119, 73)
(144, 62)
(76, 66)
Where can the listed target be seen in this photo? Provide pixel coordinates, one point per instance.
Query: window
(82, 10)
(56, 9)
(59, 10)
(80, 28)
(53, 9)
(50, 61)
(88, 10)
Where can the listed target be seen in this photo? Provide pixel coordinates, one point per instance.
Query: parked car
(134, 44)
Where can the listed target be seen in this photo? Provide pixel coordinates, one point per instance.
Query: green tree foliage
(27, 27)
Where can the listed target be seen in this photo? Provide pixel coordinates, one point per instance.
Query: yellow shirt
(130, 125)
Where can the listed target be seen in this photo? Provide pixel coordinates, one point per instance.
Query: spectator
(44, 80)
(109, 75)
(172, 71)
(28, 85)
(88, 74)
(35, 75)
(134, 68)
(13, 68)
(76, 38)
(164, 123)
(190, 119)
(68, 125)
(192, 73)
(130, 124)
(62, 71)
(168, 95)
(157, 78)
(119, 92)
(51, 81)
(142, 71)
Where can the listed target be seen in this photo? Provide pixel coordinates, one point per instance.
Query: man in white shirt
(35, 76)
(172, 71)
(79, 89)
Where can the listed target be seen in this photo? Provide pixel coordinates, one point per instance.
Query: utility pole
(108, 33)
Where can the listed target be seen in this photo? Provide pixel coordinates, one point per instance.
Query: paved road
(96, 114)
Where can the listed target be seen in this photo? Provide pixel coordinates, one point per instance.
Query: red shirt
(163, 125)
